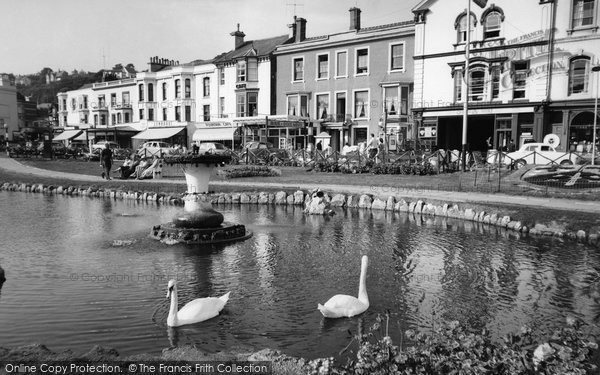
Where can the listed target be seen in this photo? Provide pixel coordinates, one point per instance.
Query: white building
(529, 71)
(8, 108)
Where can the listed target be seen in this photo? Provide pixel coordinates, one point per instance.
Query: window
(113, 119)
(188, 88)
(177, 88)
(101, 101)
(252, 70)
(164, 91)
(150, 92)
(462, 28)
(85, 118)
(252, 104)
(241, 71)
(164, 114)
(322, 101)
(222, 76)
(206, 86)
(96, 119)
(298, 69)
(579, 72)
(492, 25)
(188, 113)
(392, 100)
(241, 105)
(477, 84)
(125, 98)
(205, 112)
(119, 118)
(222, 106)
(73, 104)
(495, 73)
(341, 64)
(177, 113)
(362, 61)
(361, 104)
(583, 13)
(102, 119)
(520, 79)
(141, 113)
(85, 102)
(297, 105)
(340, 106)
(397, 56)
(458, 81)
(150, 114)
(127, 117)
(141, 92)
(322, 66)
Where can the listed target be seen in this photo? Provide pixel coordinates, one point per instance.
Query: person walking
(106, 157)
(373, 146)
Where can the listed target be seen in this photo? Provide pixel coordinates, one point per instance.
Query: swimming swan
(195, 311)
(341, 305)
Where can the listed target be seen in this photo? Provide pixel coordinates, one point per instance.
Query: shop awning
(67, 134)
(158, 133)
(81, 137)
(214, 134)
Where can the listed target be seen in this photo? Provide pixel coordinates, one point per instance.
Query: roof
(86, 86)
(259, 47)
(423, 6)
(386, 26)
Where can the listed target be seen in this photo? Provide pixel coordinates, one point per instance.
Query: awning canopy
(67, 134)
(82, 138)
(158, 133)
(214, 134)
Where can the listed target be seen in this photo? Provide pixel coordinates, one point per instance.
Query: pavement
(572, 205)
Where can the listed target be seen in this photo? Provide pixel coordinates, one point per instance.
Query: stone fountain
(198, 223)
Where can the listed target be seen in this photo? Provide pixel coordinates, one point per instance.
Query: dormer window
(492, 25)
(461, 27)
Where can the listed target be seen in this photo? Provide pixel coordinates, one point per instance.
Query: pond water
(69, 287)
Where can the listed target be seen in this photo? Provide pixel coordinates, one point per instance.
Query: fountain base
(226, 232)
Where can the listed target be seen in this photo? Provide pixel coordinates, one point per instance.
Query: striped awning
(67, 134)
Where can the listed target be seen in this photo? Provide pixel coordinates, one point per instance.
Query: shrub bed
(450, 349)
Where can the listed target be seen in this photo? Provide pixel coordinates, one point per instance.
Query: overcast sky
(96, 34)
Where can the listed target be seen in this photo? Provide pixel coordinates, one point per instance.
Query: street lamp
(595, 69)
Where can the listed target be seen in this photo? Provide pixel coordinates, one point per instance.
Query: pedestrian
(380, 150)
(511, 146)
(319, 146)
(106, 157)
(373, 146)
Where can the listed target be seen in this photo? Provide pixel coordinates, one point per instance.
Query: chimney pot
(300, 29)
(355, 18)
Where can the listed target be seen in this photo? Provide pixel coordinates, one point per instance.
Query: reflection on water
(71, 288)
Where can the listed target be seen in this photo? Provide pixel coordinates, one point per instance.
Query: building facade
(9, 119)
(529, 72)
(346, 83)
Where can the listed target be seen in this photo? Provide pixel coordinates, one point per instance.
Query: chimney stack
(239, 37)
(354, 18)
(300, 29)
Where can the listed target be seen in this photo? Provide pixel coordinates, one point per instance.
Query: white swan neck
(172, 318)
(362, 286)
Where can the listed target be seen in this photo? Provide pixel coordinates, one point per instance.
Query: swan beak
(169, 291)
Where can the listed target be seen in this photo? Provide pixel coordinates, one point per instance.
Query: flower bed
(249, 171)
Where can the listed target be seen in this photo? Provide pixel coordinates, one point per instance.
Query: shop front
(225, 132)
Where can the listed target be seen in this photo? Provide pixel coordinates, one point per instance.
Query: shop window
(520, 79)
(579, 73)
(583, 13)
(298, 69)
(322, 66)
(397, 56)
(362, 61)
(361, 104)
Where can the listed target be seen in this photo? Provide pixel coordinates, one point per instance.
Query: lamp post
(6, 137)
(595, 69)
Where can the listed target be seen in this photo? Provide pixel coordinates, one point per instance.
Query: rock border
(301, 198)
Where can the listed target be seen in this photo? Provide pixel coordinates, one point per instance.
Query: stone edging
(301, 198)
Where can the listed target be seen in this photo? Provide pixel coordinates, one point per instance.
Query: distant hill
(42, 92)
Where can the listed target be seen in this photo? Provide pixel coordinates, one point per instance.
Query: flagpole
(466, 94)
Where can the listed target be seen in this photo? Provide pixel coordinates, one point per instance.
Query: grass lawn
(483, 180)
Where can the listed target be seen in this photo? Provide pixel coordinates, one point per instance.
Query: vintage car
(534, 153)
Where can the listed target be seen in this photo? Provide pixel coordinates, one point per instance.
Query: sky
(94, 34)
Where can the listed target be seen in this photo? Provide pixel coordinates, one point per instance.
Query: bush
(249, 171)
(450, 349)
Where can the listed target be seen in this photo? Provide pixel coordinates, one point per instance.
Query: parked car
(100, 145)
(255, 145)
(155, 148)
(213, 148)
(58, 148)
(535, 153)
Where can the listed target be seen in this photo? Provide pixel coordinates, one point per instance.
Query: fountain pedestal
(198, 223)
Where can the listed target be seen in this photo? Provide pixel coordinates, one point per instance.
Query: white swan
(195, 311)
(341, 305)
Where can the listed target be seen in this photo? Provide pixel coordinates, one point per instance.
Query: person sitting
(128, 167)
(139, 169)
(151, 170)
(346, 149)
